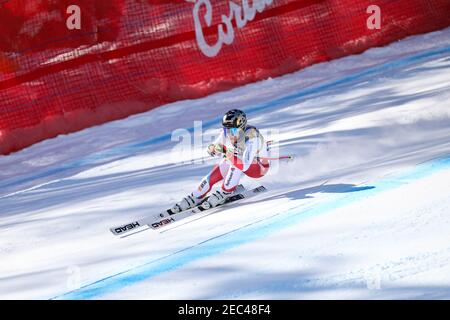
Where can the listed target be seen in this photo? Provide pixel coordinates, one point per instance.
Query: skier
(243, 149)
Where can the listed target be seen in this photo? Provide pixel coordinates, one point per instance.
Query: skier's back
(243, 151)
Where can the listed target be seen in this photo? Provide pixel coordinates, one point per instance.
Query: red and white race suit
(247, 157)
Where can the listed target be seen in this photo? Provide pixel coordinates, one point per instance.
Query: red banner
(69, 64)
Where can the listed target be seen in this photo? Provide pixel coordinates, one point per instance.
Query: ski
(167, 217)
(200, 208)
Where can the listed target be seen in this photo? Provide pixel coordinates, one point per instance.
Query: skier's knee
(224, 188)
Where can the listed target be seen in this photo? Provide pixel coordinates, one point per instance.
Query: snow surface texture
(363, 212)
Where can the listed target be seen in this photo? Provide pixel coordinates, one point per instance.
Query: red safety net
(130, 56)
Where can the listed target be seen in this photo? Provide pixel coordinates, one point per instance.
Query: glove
(228, 154)
(216, 149)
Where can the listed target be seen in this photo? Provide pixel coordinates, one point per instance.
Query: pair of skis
(167, 217)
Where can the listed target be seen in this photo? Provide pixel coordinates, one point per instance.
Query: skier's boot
(216, 198)
(187, 203)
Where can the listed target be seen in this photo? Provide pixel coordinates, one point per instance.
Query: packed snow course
(362, 213)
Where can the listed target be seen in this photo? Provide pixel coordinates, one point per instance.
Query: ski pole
(290, 157)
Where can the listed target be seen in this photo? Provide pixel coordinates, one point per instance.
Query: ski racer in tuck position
(243, 151)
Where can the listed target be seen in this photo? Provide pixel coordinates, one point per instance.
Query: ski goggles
(234, 132)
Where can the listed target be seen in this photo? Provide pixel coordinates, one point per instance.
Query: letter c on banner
(209, 51)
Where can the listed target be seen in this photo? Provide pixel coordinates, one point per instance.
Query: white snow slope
(363, 212)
